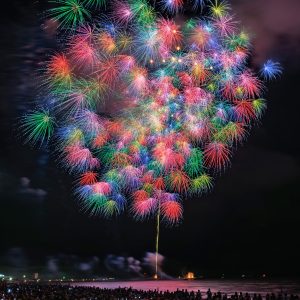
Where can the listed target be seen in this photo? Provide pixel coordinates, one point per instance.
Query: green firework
(259, 106)
(144, 13)
(201, 183)
(94, 3)
(94, 204)
(69, 13)
(194, 164)
(110, 208)
(38, 126)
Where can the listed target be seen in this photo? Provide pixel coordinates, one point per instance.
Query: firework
(38, 126)
(172, 5)
(94, 3)
(271, 70)
(183, 97)
(69, 13)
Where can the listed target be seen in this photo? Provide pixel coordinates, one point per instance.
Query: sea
(225, 286)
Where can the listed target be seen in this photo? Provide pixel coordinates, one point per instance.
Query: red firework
(216, 155)
(171, 211)
(88, 178)
(59, 67)
(244, 111)
(169, 33)
(179, 181)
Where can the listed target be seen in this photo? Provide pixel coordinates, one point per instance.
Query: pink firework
(122, 12)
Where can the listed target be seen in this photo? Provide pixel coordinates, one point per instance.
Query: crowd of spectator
(29, 291)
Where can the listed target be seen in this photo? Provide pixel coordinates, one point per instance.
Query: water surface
(225, 286)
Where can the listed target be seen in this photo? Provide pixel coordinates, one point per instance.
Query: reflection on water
(225, 286)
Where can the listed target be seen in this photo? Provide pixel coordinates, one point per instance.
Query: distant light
(190, 275)
(10, 278)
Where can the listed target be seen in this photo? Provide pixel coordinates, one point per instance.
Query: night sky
(248, 224)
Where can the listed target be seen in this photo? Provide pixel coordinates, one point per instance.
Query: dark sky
(249, 223)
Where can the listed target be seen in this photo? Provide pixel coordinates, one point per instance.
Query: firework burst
(183, 97)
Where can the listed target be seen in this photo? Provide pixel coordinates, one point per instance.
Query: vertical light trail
(157, 241)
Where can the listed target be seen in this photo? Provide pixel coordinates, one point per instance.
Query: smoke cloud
(275, 24)
(123, 265)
